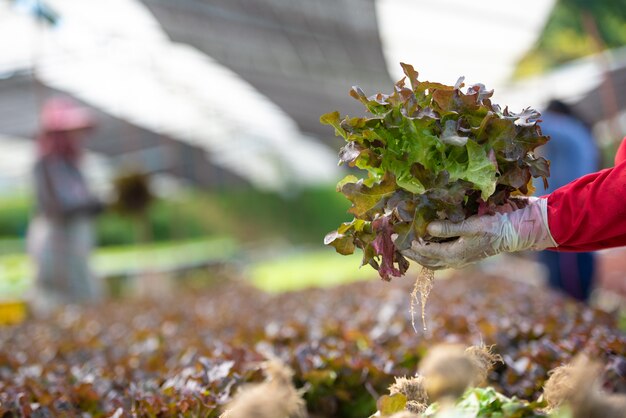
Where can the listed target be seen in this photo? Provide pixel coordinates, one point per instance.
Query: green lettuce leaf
(431, 151)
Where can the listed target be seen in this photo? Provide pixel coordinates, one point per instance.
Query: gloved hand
(482, 236)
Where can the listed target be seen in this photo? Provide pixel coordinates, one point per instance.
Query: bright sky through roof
(445, 39)
(114, 55)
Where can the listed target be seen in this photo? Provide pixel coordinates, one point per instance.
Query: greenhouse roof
(131, 71)
(221, 88)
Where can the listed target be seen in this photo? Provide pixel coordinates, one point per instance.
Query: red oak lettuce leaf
(431, 151)
(385, 248)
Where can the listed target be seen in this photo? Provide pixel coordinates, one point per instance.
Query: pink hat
(64, 114)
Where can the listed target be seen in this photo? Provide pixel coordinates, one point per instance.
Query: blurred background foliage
(247, 214)
(575, 29)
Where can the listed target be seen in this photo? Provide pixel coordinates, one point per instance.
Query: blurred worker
(572, 152)
(587, 214)
(60, 237)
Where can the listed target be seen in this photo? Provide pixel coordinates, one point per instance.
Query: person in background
(572, 152)
(60, 237)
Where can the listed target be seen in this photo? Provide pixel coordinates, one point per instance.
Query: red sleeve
(590, 213)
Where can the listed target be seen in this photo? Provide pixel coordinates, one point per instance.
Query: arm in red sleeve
(590, 212)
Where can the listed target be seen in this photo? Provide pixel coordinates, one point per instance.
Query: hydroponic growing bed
(188, 355)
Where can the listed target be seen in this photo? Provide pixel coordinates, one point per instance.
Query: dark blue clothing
(573, 153)
(571, 273)
(571, 150)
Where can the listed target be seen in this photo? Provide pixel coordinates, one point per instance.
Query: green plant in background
(245, 213)
(569, 34)
(15, 213)
(251, 215)
(254, 215)
(430, 152)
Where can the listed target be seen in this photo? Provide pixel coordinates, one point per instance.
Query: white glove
(482, 236)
